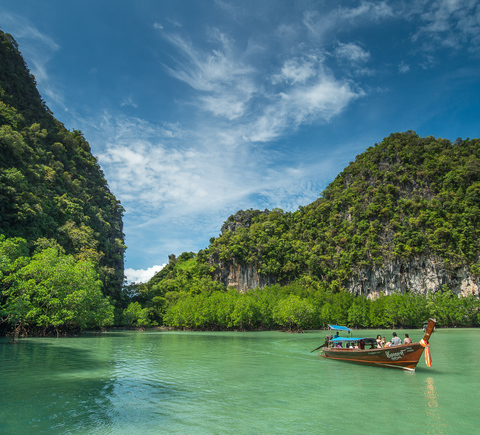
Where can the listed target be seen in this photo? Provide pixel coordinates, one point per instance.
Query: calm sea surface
(221, 382)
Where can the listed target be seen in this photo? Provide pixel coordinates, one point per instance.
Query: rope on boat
(428, 356)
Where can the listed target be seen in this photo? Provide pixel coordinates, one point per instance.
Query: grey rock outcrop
(242, 278)
(421, 276)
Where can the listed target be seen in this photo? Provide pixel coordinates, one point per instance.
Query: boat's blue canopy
(342, 339)
(339, 328)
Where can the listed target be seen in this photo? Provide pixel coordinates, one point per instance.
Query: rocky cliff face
(241, 219)
(242, 278)
(422, 276)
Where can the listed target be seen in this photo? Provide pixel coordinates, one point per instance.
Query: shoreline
(164, 328)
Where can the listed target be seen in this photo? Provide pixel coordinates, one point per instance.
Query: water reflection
(434, 421)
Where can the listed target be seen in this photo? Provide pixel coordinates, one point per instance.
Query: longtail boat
(403, 356)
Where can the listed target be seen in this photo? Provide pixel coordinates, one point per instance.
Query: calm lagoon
(225, 382)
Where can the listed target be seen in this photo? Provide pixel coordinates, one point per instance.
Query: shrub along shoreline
(297, 307)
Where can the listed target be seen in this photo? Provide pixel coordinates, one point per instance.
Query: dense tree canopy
(50, 291)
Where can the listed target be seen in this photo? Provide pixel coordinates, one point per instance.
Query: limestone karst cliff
(404, 216)
(420, 275)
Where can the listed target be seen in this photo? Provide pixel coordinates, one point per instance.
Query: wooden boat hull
(405, 356)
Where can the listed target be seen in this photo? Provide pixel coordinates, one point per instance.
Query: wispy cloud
(224, 81)
(319, 101)
(352, 52)
(448, 24)
(153, 172)
(128, 101)
(303, 89)
(321, 25)
(298, 70)
(403, 68)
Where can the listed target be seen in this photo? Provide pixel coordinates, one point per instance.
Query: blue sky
(197, 109)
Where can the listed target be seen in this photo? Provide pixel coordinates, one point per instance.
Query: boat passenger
(395, 340)
(339, 345)
(407, 339)
(379, 341)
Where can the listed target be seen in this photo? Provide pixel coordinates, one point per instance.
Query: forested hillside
(405, 198)
(53, 194)
(401, 220)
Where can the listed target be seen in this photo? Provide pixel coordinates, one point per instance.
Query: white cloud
(310, 93)
(321, 100)
(142, 275)
(448, 23)
(230, 87)
(330, 23)
(219, 73)
(128, 101)
(161, 182)
(234, 9)
(298, 70)
(352, 52)
(151, 167)
(403, 68)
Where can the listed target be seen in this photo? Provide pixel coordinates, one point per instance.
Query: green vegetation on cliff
(52, 190)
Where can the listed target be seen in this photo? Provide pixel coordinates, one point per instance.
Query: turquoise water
(225, 382)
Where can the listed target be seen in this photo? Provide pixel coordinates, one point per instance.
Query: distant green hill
(52, 189)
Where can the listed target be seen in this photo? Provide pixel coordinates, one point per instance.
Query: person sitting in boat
(407, 339)
(379, 341)
(395, 340)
